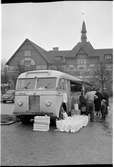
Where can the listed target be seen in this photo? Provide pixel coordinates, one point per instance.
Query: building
(83, 60)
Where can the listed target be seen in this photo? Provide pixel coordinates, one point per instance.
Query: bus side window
(62, 85)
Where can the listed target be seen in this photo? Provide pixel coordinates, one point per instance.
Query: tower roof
(83, 27)
(83, 36)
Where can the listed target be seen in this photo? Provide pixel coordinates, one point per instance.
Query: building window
(108, 57)
(108, 67)
(81, 67)
(27, 53)
(27, 62)
(71, 68)
(92, 65)
(81, 61)
(58, 58)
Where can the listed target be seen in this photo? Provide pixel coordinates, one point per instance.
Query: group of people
(94, 103)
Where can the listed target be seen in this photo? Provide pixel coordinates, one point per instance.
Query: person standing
(82, 104)
(106, 98)
(97, 101)
(89, 96)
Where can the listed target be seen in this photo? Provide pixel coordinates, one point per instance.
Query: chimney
(55, 49)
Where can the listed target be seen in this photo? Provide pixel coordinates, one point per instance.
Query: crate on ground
(40, 127)
(41, 123)
(42, 119)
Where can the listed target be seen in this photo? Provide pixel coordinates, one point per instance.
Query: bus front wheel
(24, 119)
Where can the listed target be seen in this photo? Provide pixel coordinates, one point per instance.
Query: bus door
(64, 85)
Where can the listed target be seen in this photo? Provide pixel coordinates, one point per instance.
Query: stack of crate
(41, 123)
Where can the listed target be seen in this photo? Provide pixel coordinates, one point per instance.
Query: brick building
(83, 60)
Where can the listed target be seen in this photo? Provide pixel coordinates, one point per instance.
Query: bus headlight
(48, 103)
(20, 103)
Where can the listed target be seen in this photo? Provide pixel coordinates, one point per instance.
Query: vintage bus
(45, 92)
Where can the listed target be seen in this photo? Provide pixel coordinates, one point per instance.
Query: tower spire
(83, 36)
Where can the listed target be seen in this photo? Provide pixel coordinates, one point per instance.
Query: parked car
(8, 96)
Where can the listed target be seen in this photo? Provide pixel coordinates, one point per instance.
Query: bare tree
(102, 76)
(4, 73)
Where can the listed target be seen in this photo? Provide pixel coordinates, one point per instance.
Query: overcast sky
(54, 24)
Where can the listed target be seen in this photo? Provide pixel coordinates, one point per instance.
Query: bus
(45, 92)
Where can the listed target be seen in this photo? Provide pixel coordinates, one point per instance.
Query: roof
(40, 50)
(103, 51)
(88, 48)
(85, 46)
(58, 53)
(83, 27)
(55, 55)
(52, 57)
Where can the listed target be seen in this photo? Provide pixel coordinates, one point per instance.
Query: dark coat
(106, 97)
(82, 101)
(97, 101)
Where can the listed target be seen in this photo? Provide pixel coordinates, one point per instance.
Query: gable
(27, 52)
(81, 52)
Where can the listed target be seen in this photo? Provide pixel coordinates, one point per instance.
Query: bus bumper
(33, 114)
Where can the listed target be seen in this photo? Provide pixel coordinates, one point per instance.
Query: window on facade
(108, 67)
(27, 53)
(57, 58)
(27, 62)
(81, 56)
(81, 61)
(92, 65)
(108, 57)
(81, 67)
(71, 68)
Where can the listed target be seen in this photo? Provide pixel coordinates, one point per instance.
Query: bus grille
(34, 103)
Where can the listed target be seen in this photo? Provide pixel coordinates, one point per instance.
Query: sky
(55, 24)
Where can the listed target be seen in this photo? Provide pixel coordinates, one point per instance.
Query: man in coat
(97, 101)
(89, 96)
(105, 96)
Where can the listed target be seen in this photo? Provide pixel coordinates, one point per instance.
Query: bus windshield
(26, 83)
(42, 83)
(46, 83)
